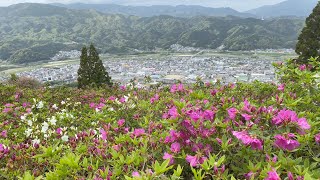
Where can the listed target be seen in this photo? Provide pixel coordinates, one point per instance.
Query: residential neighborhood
(168, 69)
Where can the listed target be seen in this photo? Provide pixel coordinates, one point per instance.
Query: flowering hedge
(205, 131)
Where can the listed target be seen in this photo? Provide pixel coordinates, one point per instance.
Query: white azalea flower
(45, 127)
(40, 105)
(63, 102)
(35, 141)
(53, 120)
(65, 138)
(110, 109)
(28, 132)
(23, 118)
(29, 122)
(55, 106)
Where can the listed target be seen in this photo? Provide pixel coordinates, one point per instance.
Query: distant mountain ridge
(156, 10)
(300, 8)
(36, 32)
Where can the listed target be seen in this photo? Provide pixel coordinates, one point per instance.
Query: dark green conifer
(91, 71)
(83, 71)
(309, 40)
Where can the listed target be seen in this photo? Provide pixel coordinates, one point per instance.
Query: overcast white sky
(240, 5)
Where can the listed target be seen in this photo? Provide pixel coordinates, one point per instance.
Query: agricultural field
(201, 131)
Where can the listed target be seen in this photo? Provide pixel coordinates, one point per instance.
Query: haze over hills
(286, 8)
(156, 10)
(299, 8)
(34, 32)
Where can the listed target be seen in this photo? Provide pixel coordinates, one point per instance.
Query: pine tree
(309, 40)
(91, 71)
(83, 71)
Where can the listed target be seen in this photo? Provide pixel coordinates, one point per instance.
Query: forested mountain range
(34, 32)
(156, 10)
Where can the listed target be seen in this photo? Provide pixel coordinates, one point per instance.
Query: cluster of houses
(169, 69)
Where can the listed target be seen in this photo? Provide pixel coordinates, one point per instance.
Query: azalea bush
(201, 131)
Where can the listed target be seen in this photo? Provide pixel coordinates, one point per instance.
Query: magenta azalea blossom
(248, 140)
(232, 112)
(138, 132)
(168, 156)
(59, 131)
(208, 115)
(290, 176)
(195, 160)
(243, 136)
(286, 143)
(273, 175)
(135, 174)
(4, 133)
(281, 87)
(192, 160)
(317, 138)
(303, 123)
(303, 67)
(103, 134)
(121, 122)
(173, 113)
(247, 117)
(175, 147)
(288, 116)
(1, 147)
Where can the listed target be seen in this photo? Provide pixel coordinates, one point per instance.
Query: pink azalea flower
(135, 174)
(175, 147)
(247, 117)
(168, 156)
(192, 160)
(154, 98)
(317, 138)
(281, 87)
(303, 67)
(122, 100)
(121, 122)
(103, 134)
(232, 112)
(6, 110)
(1, 147)
(272, 175)
(173, 113)
(286, 143)
(194, 116)
(138, 132)
(123, 88)
(290, 176)
(256, 144)
(303, 123)
(4, 133)
(92, 105)
(112, 98)
(248, 140)
(249, 175)
(195, 160)
(288, 116)
(116, 147)
(173, 88)
(9, 105)
(208, 115)
(180, 87)
(59, 131)
(243, 136)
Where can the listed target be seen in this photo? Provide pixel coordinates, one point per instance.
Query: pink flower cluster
(286, 142)
(243, 136)
(285, 117)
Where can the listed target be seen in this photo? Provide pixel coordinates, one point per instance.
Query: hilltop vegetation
(204, 131)
(34, 32)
